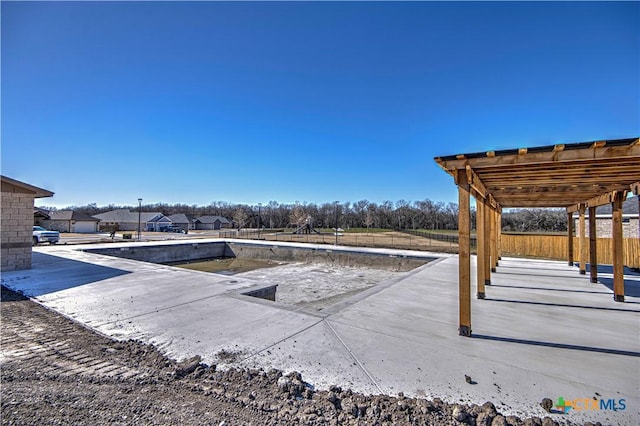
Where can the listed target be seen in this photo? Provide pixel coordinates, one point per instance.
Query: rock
(460, 414)
(489, 408)
(547, 404)
(188, 366)
(284, 384)
(533, 421)
(333, 398)
(514, 421)
(548, 421)
(468, 379)
(499, 420)
(484, 419)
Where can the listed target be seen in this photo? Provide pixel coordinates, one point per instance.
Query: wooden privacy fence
(555, 247)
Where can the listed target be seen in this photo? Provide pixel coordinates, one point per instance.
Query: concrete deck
(543, 331)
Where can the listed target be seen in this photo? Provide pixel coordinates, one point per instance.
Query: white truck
(41, 235)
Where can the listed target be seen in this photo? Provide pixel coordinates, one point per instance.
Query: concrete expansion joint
(355, 358)
(281, 340)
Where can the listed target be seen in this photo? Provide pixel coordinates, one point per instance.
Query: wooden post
(499, 235)
(583, 242)
(617, 248)
(464, 256)
(492, 238)
(593, 256)
(487, 243)
(570, 237)
(480, 236)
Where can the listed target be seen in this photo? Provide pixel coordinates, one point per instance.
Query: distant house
(68, 221)
(212, 222)
(184, 221)
(39, 215)
(630, 225)
(125, 220)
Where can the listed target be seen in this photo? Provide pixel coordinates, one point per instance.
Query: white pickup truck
(41, 235)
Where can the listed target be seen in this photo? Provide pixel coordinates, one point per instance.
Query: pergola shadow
(556, 345)
(631, 287)
(548, 289)
(538, 274)
(560, 305)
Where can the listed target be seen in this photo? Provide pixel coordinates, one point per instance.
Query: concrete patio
(543, 330)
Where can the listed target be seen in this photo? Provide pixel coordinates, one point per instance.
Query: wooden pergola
(576, 176)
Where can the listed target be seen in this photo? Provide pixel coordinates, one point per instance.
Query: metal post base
(594, 280)
(582, 272)
(481, 295)
(499, 257)
(618, 297)
(570, 263)
(487, 282)
(464, 331)
(493, 269)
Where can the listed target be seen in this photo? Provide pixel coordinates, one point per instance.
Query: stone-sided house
(212, 222)
(16, 223)
(184, 221)
(630, 225)
(68, 221)
(125, 220)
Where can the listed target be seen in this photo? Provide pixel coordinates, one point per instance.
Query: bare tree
(240, 217)
(369, 218)
(298, 216)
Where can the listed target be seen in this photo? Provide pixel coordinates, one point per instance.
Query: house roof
(71, 215)
(124, 215)
(39, 212)
(212, 219)
(12, 185)
(563, 175)
(181, 218)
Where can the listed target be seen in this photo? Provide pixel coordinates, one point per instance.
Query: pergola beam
(476, 182)
(523, 156)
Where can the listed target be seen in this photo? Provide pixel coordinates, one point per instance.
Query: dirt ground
(55, 371)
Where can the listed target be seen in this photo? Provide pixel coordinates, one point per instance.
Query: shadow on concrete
(52, 273)
(537, 274)
(631, 287)
(562, 305)
(556, 345)
(550, 289)
(608, 269)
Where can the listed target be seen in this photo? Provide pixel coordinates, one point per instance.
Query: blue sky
(248, 102)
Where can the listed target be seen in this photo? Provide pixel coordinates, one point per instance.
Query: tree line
(402, 214)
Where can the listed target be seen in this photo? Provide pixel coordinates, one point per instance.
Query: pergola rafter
(576, 176)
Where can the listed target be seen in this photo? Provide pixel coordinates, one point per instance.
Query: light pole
(139, 215)
(259, 206)
(336, 222)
